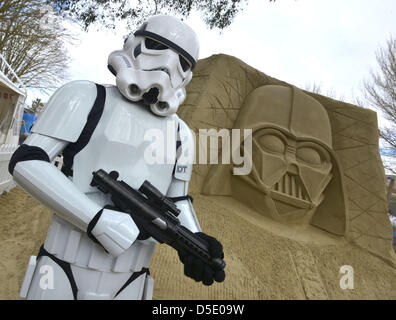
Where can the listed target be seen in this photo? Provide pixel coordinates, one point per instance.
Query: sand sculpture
(315, 198)
(295, 175)
(313, 203)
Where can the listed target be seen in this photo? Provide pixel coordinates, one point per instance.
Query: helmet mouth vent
(163, 106)
(151, 96)
(134, 90)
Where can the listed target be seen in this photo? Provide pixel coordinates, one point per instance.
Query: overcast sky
(329, 42)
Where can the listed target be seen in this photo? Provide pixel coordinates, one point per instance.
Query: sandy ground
(265, 260)
(23, 225)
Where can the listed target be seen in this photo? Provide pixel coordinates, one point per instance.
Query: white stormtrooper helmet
(156, 63)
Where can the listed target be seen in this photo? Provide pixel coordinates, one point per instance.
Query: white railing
(9, 147)
(9, 140)
(20, 83)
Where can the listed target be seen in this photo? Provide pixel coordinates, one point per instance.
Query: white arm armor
(116, 231)
(181, 177)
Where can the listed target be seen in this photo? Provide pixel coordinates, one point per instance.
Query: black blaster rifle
(155, 215)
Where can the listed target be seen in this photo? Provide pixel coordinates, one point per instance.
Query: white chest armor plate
(118, 143)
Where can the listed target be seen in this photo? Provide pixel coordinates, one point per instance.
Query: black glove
(199, 271)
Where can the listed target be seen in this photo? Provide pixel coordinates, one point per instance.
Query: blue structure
(29, 120)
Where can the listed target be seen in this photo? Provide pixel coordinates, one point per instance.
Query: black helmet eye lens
(154, 45)
(137, 51)
(184, 64)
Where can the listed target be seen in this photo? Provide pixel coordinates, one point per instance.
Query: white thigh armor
(124, 132)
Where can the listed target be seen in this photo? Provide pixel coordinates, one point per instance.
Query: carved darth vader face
(293, 172)
(291, 153)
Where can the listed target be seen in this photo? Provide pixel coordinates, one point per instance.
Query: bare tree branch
(33, 46)
(216, 13)
(315, 87)
(380, 90)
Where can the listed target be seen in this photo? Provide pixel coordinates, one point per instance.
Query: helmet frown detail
(156, 63)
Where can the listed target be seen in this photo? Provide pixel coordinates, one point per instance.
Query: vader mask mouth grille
(290, 185)
(290, 189)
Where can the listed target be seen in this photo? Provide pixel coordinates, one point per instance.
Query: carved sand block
(313, 201)
(295, 173)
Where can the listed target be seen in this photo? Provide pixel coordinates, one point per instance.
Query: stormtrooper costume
(92, 250)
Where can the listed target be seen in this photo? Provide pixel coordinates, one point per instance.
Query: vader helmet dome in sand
(296, 177)
(156, 63)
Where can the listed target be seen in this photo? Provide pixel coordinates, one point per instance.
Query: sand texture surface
(23, 227)
(263, 259)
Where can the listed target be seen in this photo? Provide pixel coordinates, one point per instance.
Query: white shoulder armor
(185, 153)
(67, 110)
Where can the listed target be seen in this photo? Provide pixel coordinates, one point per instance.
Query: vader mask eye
(309, 155)
(272, 143)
